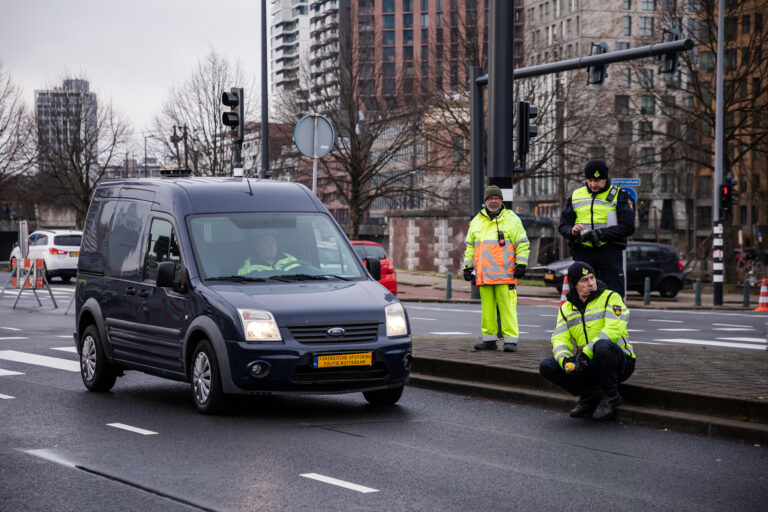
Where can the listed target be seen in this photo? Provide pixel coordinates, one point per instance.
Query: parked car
(59, 249)
(660, 262)
(172, 282)
(367, 249)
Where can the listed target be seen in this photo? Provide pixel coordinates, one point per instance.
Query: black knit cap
(596, 170)
(493, 190)
(578, 270)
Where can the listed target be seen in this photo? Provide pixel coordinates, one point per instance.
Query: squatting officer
(596, 220)
(590, 343)
(497, 254)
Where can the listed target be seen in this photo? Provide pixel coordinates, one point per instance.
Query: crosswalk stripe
(6, 397)
(51, 362)
(129, 428)
(753, 340)
(73, 350)
(3, 373)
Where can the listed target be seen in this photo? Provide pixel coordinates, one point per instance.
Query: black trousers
(608, 265)
(609, 366)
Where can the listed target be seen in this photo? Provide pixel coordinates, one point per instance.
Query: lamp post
(150, 136)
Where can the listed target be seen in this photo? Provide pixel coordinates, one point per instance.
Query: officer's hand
(591, 236)
(519, 271)
(576, 230)
(569, 365)
(468, 274)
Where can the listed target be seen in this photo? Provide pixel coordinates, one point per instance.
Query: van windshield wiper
(237, 279)
(307, 277)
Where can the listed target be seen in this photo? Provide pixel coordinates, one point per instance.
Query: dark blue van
(236, 286)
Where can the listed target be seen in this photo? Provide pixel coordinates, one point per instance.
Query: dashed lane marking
(680, 329)
(666, 321)
(73, 350)
(340, 483)
(730, 325)
(51, 456)
(419, 318)
(3, 338)
(686, 341)
(51, 362)
(129, 428)
(6, 397)
(10, 328)
(732, 329)
(451, 333)
(3, 373)
(749, 340)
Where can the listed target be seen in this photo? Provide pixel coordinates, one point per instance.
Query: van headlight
(396, 324)
(259, 325)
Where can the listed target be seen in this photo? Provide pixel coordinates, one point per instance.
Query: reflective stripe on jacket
(287, 262)
(604, 318)
(595, 211)
(494, 263)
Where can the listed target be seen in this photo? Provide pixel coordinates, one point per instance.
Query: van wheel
(384, 396)
(97, 373)
(206, 379)
(669, 287)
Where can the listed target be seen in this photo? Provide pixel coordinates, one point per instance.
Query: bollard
(647, 294)
(448, 291)
(746, 293)
(698, 292)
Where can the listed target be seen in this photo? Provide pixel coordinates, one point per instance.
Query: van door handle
(144, 293)
(130, 290)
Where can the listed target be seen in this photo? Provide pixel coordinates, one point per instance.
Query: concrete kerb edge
(675, 402)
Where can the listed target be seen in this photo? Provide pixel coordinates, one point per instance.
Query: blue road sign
(631, 193)
(626, 182)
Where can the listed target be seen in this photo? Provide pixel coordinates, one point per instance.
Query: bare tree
(196, 105)
(77, 141)
(14, 129)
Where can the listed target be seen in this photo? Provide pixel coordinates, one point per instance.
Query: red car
(367, 249)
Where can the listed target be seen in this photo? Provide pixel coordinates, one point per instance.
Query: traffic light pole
(717, 229)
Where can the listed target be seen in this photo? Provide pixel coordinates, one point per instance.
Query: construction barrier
(29, 274)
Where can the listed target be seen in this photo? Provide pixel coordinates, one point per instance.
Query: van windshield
(281, 246)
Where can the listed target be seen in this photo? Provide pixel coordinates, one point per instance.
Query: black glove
(468, 274)
(519, 271)
(591, 236)
(579, 362)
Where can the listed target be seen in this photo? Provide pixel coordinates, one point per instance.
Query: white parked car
(59, 248)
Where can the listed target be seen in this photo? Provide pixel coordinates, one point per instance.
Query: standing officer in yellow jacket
(590, 346)
(497, 254)
(596, 220)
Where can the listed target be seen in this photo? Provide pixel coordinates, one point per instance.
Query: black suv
(219, 282)
(659, 262)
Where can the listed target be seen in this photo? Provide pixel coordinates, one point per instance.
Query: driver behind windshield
(267, 257)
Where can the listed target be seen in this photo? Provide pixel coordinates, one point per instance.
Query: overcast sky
(132, 51)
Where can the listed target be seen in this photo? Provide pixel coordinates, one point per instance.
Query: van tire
(384, 396)
(98, 374)
(206, 379)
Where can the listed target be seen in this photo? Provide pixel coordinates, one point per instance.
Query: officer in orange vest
(496, 256)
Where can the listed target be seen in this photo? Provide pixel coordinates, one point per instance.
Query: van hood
(311, 302)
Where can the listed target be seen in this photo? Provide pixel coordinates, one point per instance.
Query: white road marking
(13, 338)
(668, 321)
(129, 428)
(65, 349)
(753, 340)
(451, 333)
(10, 328)
(444, 309)
(526, 325)
(634, 342)
(3, 373)
(51, 362)
(49, 455)
(340, 483)
(419, 318)
(6, 397)
(730, 325)
(636, 330)
(64, 336)
(686, 341)
(732, 329)
(680, 329)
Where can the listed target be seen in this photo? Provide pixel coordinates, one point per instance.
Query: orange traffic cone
(566, 289)
(762, 304)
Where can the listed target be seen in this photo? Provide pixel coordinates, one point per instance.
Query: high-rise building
(288, 46)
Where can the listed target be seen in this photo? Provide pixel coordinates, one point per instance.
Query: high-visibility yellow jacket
(287, 262)
(604, 318)
(495, 263)
(595, 211)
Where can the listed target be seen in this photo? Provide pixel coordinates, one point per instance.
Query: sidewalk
(707, 391)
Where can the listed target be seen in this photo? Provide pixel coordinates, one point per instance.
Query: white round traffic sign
(314, 136)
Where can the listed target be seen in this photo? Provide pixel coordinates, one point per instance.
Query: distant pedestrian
(590, 343)
(596, 221)
(496, 256)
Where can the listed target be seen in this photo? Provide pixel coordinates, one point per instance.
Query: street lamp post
(150, 136)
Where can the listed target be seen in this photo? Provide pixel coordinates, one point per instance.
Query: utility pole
(264, 98)
(717, 230)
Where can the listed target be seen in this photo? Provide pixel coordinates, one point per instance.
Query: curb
(708, 415)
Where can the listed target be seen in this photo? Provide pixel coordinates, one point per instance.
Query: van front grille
(305, 374)
(353, 333)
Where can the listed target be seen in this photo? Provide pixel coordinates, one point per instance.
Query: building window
(407, 52)
(669, 5)
(646, 158)
(707, 62)
(648, 5)
(387, 5)
(388, 54)
(626, 4)
(705, 187)
(646, 26)
(621, 155)
(407, 36)
(388, 21)
(388, 37)
(625, 131)
(407, 5)
(731, 28)
(626, 26)
(424, 5)
(667, 105)
(425, 20)
(645, 130)
(388, 69)
(407, 20)
(626, 78)
(596, 152)
(621, 105)
(647, 105)
(645, 78)
(622, 45)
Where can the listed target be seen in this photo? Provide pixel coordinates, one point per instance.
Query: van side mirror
(374, 267)
(166, 271)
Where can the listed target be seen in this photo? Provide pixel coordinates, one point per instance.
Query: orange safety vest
(495, 264)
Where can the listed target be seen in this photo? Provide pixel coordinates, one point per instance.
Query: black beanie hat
(596, 170)
(493, 190)
(578, 270)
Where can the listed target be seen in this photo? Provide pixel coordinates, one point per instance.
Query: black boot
(586, 405)
(607, 407)
(486, 345)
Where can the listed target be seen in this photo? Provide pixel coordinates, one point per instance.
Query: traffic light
(234, 118)
(729, 195)
(669, 61)
(596, 74)
(525, 130)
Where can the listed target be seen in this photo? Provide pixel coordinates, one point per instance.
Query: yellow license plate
(364, 359)
(75, 254)
(549, 276)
